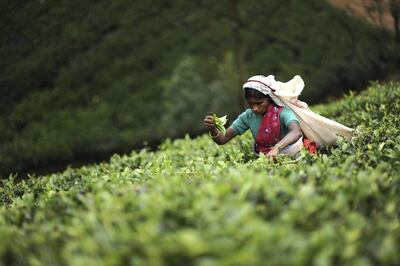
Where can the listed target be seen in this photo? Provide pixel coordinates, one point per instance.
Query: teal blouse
(249, 120)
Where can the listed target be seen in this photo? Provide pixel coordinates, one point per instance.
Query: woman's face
(259, 107)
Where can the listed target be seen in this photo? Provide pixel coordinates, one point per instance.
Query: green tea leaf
(220, 122)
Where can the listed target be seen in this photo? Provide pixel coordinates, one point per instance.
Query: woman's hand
(209, 122)
(291, 137)
(273, 152)
(217, 136)
(300, 104)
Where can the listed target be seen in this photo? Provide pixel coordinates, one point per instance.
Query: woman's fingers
(297, 103)
(209, 122)
(300, 104)
(209, 119)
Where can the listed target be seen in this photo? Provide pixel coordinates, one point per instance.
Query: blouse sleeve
(288, 116)
(241, 124)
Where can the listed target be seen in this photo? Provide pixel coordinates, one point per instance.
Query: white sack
(317, 128)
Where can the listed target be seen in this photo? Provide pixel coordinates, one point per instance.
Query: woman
(275, 128)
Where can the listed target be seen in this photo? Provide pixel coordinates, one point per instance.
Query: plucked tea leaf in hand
(220, 122)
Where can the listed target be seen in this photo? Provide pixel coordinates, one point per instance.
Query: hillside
(196, 203)
(82, 80)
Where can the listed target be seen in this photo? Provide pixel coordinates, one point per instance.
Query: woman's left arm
(292, 136)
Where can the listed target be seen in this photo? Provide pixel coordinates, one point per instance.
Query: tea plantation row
(195, 203)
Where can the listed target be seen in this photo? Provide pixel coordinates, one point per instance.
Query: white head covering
(266, 85)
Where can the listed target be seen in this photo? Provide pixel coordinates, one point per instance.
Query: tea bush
(195, 203)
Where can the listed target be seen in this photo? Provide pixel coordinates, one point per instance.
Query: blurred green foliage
(94, 77)
(187, 96)
(193, 202)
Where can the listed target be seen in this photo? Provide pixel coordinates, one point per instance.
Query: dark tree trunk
(240, 48)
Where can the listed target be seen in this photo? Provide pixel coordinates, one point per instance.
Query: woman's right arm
(217, 136)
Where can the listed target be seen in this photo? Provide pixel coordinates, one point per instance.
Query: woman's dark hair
(258, 96)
